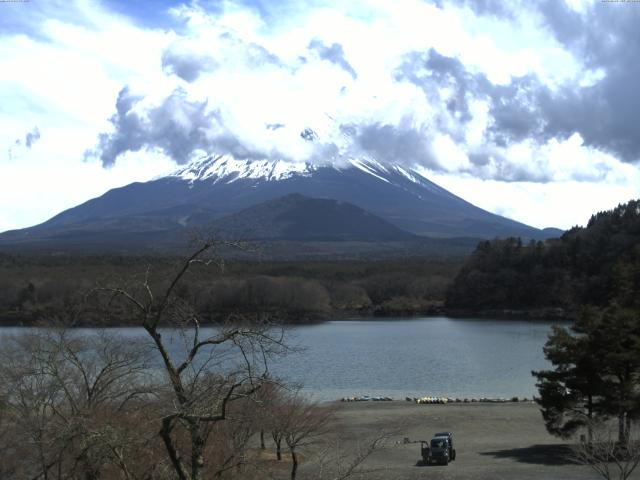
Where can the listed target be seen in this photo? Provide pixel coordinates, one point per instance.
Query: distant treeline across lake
(35, 289)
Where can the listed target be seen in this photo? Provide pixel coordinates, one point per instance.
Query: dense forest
(595, 265)
(42, 288)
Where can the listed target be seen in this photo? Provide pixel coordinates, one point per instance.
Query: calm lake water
(433, 356)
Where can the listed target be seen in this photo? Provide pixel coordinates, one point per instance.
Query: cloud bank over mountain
(438, 107)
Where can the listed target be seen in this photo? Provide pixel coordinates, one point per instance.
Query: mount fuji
(222, 192)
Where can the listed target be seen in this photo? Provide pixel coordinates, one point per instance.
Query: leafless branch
(605, 455)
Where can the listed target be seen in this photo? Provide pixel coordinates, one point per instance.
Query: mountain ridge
(217, 186)
(300, 218)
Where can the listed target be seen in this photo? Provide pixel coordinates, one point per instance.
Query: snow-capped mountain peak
(227, 169)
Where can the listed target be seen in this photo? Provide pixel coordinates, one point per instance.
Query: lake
(434, 356)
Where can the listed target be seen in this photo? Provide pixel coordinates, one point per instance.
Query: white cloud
(503, 49)
(65, 81)
(32, 191)
(580, 6)
(560, 204)
(450, 155)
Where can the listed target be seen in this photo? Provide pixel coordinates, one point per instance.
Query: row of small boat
(366, 398)
(441, 400)
(434, 400)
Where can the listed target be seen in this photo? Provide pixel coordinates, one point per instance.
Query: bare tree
(292, 419)
(272, 418)
(265, 399)
(66, 399)
(213, 369)
(341, 461)
(228, 451)
(304, 424)
(606, 455)
(309, 428)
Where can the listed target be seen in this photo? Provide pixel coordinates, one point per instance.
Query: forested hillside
(594, 265)
(41, 289)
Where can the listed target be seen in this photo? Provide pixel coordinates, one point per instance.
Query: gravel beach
(493, 441)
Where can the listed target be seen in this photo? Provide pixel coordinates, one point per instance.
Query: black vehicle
(439, 450)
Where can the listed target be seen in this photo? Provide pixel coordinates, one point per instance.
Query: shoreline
(528, 315)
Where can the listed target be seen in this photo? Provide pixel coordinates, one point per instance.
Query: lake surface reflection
(435, 356)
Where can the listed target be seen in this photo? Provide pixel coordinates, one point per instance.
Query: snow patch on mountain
(225, 168)
(370, 167)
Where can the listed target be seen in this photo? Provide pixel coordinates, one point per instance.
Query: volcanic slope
(217, 186)
(295, 217)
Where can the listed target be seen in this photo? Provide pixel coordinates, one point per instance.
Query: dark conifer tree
(618, 340)
(595, 375)
(570, 393)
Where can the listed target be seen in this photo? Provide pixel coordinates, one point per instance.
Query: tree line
(37, 288)
(593, 265)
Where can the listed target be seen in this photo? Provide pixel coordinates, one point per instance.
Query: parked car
(439, 450)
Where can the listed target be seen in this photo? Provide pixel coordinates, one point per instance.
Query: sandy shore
(493, 441)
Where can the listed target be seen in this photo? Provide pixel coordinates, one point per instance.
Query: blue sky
(149, 14)
(527, 109)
